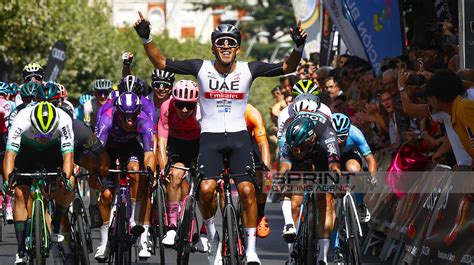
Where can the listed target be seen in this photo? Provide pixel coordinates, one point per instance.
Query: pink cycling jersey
(170, 124)
(5, 111)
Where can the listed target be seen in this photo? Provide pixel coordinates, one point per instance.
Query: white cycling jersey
(223, 97)
(22, 132)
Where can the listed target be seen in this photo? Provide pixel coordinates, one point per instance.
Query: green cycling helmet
(48, 92)
(305, 86)
(300, 132)
(29, 89)
(44, 118)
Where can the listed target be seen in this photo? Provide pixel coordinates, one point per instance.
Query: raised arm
(299, 37)
(156, 57)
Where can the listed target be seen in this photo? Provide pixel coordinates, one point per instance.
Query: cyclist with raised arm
(224, 86)
(41, 136)
(130, 83)
(118, 129)
(352, 144)
(310, 144)
(102, 89)
(178, 139)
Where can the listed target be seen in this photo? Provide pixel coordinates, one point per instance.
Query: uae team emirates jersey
(223, 97)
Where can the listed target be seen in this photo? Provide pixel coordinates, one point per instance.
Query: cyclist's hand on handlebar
(142, 26)
(68, 185)
(298, 35)
(127, 59)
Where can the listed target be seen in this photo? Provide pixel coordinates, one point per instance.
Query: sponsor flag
(56, 61)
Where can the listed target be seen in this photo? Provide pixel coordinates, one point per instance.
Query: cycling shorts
(128, 152)
(183, 151)
(235, 145)
(29, 160)
(350, 155)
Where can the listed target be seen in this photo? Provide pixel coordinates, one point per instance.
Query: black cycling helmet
(161, 75)
(131, 83)
(226, 30)
(32, 69)
(300, 132)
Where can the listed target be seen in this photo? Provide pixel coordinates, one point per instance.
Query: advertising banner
(56, 61)
(327, 39)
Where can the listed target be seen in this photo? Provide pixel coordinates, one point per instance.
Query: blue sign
(379, 28)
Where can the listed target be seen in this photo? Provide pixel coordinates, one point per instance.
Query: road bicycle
(187, 230)
(121, 235)
(304, 248)
(233, 241)
(38, 241)
(350, 230)
(158, 219)
(80, 226)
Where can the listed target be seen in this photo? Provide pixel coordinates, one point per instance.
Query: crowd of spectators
(421, 98)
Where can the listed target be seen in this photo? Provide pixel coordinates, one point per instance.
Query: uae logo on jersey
(223, 95)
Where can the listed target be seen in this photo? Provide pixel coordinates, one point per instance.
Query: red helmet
(185, 90)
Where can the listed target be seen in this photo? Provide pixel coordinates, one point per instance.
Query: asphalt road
(271, 250)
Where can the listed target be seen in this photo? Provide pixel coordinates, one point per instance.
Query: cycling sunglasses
(342, 138)
(188, 105)
(102, 93)
(131, 117)
(226, 41)
(32, 78)
(161, 85)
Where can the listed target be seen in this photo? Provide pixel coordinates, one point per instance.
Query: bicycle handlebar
(37, 175)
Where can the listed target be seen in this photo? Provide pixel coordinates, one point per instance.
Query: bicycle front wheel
(355, 256)
(38, 227)
(310, 235)
(184, 236)
(81, 235)
(160, 225)
(230, 250)
(123, 254)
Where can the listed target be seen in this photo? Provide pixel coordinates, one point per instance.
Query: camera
(416, 80)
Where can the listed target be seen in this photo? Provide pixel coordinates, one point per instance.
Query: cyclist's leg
(239, 160)
(182, 153)
(325, 204)
(210, 166)
(61, 196)
(326, 216)
(22, 206)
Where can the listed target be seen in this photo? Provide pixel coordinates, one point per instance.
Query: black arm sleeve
(185, 67)
(258, 69)
(328, 143)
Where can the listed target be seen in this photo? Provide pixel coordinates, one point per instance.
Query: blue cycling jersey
(354, 140)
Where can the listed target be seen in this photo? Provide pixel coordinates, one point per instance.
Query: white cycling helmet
(102, 84)
(305, 105)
